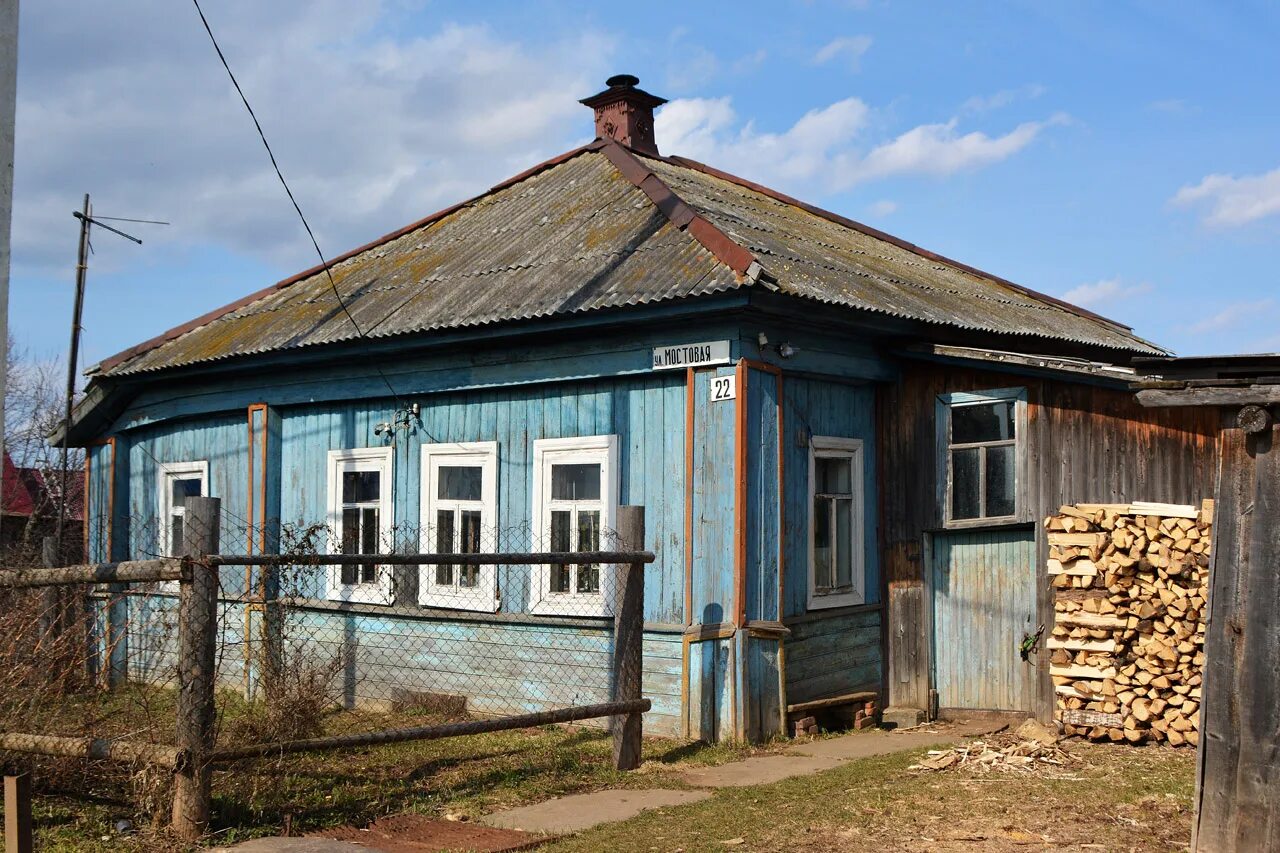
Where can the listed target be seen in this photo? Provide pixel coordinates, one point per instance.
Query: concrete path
(577, 812)
(583, 811)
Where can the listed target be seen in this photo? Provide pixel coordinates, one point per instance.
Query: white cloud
(1003, 98)
(1231, 316)
(821, 152)
(1233, 201)
(883, 208)
(374, 126)
(1104, 292)
(851, 48)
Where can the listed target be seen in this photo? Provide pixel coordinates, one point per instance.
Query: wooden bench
(801, 719)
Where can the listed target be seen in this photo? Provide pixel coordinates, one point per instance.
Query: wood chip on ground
(1005, 753)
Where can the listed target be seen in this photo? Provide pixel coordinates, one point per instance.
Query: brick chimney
(625, 113)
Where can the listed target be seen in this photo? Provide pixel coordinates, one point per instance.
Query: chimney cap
(623, 87)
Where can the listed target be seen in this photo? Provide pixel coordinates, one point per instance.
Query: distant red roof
(24, 489)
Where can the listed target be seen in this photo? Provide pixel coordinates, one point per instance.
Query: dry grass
(1123, 799)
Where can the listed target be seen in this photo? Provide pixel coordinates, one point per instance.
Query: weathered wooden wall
(1239, 773)
(1088, 443)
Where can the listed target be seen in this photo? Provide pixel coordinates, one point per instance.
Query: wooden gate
(984, 603)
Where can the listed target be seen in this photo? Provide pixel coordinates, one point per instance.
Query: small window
(360, 522)
(980, 434)
(178, 481)
(836, 540)
(459, 515)
(575, 497)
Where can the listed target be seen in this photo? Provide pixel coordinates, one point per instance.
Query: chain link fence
(348, 637)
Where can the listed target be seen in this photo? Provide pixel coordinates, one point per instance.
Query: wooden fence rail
(193, 757)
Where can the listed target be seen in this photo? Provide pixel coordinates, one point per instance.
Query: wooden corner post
(17, 814)
(197, 631)
(628, 639)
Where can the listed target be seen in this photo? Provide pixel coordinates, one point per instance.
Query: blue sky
(1123, 156)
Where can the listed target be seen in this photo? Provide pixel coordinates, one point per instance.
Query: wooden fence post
(197, 633)
(50, 596)
(628, 639)
(17, 814)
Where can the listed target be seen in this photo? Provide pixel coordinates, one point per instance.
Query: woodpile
(1127, 646)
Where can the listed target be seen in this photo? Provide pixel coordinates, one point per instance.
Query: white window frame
(830, 447)
(598, 449)
(959, 399)
(484, 454)
(359, 459)
(169, 471)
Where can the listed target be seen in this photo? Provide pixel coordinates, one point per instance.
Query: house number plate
(723, 388)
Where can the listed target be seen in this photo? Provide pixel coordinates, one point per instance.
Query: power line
(316, 245)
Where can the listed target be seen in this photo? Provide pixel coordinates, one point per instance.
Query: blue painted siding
(764, 499)
(714, 478)
(837, 654)
(646, 413)
(222, 441)
(815, 407)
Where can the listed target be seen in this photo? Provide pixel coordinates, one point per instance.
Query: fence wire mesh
(307, 649)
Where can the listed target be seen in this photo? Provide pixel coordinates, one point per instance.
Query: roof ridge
(723, 248)
(928, 254)
(204, 319)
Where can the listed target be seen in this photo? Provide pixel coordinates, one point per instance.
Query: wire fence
(345, 637)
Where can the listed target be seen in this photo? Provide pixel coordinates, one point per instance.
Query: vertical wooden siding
(1087, 443)
(814, 407)
(982, 607)
(1238, 785)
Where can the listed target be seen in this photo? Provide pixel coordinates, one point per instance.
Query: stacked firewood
(1127, 646)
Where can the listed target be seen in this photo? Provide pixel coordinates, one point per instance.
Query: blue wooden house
(842, 442)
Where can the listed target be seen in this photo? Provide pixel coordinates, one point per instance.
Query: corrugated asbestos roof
(603, 228)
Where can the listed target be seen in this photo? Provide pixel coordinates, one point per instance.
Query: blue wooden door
(984, 603)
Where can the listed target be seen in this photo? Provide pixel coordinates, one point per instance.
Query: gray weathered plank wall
(1086, 443)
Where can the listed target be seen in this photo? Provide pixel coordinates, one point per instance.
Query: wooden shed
(843, 442)
(1238, 769)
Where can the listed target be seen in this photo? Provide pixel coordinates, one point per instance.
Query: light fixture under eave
(786, 350)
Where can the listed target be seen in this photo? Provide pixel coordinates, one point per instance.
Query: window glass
(833, 475)
(469, 543)
(578, 482)
(444, 545)
(588, 540)
(844, 536)
(360, 486)
(984, 422)
(1000, 467)
(964, 483)
(561, 528)
(822, 545)
(184, 488)
(175, 536)
(459, 482)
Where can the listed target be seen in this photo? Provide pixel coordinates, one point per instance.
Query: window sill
(1004, 521)
(829, 600)
(480, 603)
(371, 594)
(590, 607)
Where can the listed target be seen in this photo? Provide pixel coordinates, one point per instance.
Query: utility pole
(73, 357)
(8, 102)
(73, 353)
